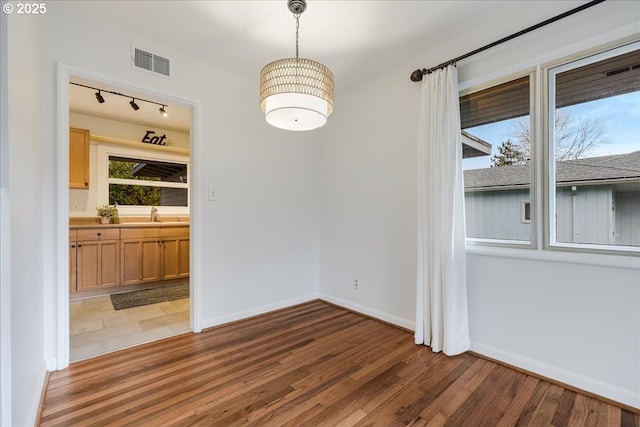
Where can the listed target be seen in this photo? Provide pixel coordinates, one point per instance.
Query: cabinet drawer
(98, 234)
(174, 231)
(72, 235)
(135, 233)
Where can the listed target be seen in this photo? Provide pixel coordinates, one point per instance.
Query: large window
(142, 182)
(594, 151)
(497, 172)
(135, 180)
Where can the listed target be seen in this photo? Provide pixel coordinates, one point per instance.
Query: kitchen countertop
(132, 225)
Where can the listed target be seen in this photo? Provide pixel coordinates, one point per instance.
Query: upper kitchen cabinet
(78, 158)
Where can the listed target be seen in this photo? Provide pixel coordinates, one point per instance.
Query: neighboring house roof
(472, 146)
(591, 170)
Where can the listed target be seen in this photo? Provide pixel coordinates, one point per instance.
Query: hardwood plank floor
(314, 365)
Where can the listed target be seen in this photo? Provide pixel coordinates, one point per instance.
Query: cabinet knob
(99, 234)
(86, 184)
(73, 246)
(79, 246)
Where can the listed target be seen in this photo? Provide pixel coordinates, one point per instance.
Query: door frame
(61, 234)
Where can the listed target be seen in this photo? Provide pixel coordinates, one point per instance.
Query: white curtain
(441, 309)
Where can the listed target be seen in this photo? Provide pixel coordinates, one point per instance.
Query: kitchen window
(136, 180)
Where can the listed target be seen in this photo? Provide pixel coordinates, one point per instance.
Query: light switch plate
(213, 194)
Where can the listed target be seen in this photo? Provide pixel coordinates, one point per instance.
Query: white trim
(61, 350)
(499, 242)
(103, 180)
(5, 233)
(609, 260)
(385, 317)
(255, 311)
(195, 222)
(64, 71)
(609, 391)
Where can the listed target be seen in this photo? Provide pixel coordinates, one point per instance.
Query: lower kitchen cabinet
(140, 250)
(94, 259)
(151, 254)
(103, 257)
(175, 252)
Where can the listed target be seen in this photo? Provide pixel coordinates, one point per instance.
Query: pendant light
(296, 93)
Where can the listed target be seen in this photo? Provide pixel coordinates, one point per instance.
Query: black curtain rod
(119, 94)
(416, 76)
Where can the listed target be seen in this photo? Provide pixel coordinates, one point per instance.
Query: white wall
(128, 131)
(27, 225)
(576, 322)
(5, 234)
(255, 249)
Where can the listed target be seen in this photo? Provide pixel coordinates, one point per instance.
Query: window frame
(532, 243)
(103, 180)
(523, 217)
(548, 73)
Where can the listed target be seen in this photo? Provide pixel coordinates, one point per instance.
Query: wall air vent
(151, 62)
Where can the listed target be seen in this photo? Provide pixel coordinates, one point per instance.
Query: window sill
(604, 260)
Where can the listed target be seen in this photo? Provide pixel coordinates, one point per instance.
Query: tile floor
(96, 328)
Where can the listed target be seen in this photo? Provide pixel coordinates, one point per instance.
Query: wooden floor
(309, 365)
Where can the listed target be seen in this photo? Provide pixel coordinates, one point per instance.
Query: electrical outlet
(356, 285)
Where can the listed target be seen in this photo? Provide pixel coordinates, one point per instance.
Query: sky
(620, 115)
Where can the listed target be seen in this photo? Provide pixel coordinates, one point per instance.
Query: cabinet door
(175, 258)
(72, 267)
(170, 258)
(88, 260)
(140, 260)
(109, 263)
(97, 264)
(78, 158)
(183, 269)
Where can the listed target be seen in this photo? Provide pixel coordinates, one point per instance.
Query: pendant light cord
(297, 16)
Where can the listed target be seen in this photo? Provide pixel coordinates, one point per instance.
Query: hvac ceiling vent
(151, 62)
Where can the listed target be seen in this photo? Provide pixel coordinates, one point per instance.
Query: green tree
(121, 194)
(508, 155)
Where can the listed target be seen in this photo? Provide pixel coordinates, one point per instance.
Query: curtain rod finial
(416, 76)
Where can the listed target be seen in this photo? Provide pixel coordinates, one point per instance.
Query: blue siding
(497, 215)
(594, 215)
(627, 218)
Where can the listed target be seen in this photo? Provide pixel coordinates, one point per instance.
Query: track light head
(134, 105)
(99, 97)
(163, 112)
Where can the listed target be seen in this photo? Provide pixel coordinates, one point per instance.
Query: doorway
(93, 324)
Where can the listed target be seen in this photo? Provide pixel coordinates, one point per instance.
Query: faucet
(154, 214)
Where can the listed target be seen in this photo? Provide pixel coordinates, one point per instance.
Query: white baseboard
(385, 317)
(609, 391)
(254, 311)
(34, 407)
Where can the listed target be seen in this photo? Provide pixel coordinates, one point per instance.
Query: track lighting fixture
(134, 105)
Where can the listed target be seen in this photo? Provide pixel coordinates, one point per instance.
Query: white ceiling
(353, 38)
